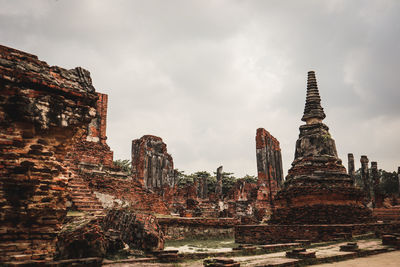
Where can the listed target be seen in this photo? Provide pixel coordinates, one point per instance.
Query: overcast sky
(204, 75)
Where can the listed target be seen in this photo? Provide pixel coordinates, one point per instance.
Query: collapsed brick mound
(90, 236)
(140, 231)
(322, 214)
(83, 237)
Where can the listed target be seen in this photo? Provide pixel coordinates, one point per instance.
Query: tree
(251, 179)
(183, 180)
(389, 183)
(228, 181)
(124, 164)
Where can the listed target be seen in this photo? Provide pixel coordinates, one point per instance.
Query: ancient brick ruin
(54, 159)
(269, 161)
(89, 154)
(43, 110)
(377, 198)
(92, 149)
(318, 189)
(351, 170)
(218, 187)
(365, 179)
(152, 166)
(269, 165)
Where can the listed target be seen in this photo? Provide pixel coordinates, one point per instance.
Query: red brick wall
(268, 234)
(92, 148)
(269, 162)
(152, 166)
(42, 109)
(126, 190)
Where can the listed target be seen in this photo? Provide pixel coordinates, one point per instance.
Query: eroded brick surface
(43, 110)
(152, 166)
(269, 161)
(124, 190)
(90, 153)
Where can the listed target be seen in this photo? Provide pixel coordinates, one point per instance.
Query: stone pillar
(365, 177)
(398, 177)
(375, 183)
(200, 192)
(205, 187)
(269, 162)
(152, 166)
(350, 169)
(218, 187)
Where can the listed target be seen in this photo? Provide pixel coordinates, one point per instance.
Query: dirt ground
(391, 259)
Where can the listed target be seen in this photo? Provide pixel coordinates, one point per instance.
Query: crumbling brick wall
(269, 161)
(92, 148)
(43, 110)
(152, 166)
(125, 190)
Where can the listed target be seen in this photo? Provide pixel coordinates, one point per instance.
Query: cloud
(204, 75)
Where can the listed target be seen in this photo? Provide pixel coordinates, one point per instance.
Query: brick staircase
(82, 198)
(387, 214)
(208, 209)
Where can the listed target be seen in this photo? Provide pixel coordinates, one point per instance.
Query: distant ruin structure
(377, 199)
(398, 177)
(152, 166)
(351, 169)
(318, 189)
(218, 187)
(269, 163)
(365, 177)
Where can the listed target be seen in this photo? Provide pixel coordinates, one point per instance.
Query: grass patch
(213, 243)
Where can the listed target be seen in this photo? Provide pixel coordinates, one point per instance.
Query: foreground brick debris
(64, 202)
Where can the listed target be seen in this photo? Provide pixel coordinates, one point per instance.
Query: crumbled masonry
(43, 110)
(152, 166)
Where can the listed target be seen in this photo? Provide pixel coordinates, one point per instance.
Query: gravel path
(390, 259)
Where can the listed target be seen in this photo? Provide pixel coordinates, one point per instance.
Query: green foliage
(211, 183)
(124, 164)
(251, 179)
(389, 184)
(228, 180)
(183, 180)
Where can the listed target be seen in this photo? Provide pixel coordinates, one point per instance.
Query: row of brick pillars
(370, 180)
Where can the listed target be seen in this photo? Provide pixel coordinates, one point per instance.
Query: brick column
(365, 177)
(350, 169)
(218, 187)
(375, 182)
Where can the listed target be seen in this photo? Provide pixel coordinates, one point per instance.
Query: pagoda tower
(317, 189)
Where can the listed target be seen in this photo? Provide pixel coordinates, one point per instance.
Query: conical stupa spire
(313, 109)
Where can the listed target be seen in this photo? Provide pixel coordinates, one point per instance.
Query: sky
(204, 75)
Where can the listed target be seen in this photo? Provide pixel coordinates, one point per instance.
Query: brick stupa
(318, 189)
